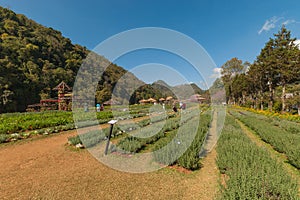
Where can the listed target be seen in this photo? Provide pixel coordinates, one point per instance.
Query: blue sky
(226, 29)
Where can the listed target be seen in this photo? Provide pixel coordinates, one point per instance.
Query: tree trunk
(270, 105)
(261, 103)
(283, 98)
(299, 110)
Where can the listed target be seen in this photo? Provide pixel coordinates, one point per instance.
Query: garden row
(177, 136)
(291, 126)
(248, 171)
(138, 139)
(16, 126)
(286, 116)
(93, 138)
(183, 146)
(284, 137)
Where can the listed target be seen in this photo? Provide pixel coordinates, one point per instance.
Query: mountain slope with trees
(34, 59)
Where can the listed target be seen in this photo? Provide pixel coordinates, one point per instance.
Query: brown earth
(47, 168)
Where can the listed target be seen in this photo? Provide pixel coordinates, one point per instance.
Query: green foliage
(229, 71)
(60, 120)
(280, 139)
(17, 122)
(4, 138)
(251, 172)
(190, 159)
(93, 138)
(130, 144)
(275, 67)
(33, 60)
(277, 106)
(166, 149)
(151, 131)
(74, 140)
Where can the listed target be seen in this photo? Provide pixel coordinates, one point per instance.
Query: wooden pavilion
(64, 98)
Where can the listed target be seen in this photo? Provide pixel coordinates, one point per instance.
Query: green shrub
(74, 140)
(277, 107)
(251, 172)
(280, 139)
(4, 138)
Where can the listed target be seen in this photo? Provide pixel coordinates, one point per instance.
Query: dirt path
(46, 168)
(204, 185)
(209, 174)
(274, 154)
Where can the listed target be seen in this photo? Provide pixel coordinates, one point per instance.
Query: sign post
(111, 122)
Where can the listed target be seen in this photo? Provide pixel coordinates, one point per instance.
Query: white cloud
(289, 21)
(274, 22)
(270, 24)
(216, 73)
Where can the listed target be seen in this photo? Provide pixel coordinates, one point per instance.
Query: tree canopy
(33, 60)
(265, 81)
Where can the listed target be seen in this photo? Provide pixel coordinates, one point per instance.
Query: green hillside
(35, 58)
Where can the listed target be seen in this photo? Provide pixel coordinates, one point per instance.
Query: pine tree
(285, 55)
(278, 63)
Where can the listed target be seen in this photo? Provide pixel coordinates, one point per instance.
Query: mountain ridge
(34, 59)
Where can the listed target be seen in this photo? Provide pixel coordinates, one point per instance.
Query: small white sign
(112, 121)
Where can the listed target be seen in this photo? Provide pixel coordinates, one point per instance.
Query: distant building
(63, 101)
(64, 96)
(197, 98)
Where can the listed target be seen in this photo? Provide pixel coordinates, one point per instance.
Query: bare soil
(47, 168)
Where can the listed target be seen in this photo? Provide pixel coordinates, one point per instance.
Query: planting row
(287, 125)
(184, 143)
(281, 140)
(93, 138)
(248, 170)
(139, 138)
(286, 116)
(27, 134)
(146, 135)
(173, 137)
(15, 126)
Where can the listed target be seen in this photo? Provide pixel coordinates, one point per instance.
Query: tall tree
(257, 84)
(286, 58)
(279, 63)
(229, 70)
(266, 63)
(240, 88)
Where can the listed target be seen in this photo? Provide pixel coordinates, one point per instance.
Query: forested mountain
(34, 59)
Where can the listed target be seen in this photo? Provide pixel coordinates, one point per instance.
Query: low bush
(4, 138)
(280, 139)
(251, 172)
